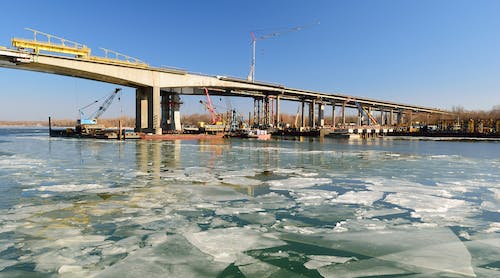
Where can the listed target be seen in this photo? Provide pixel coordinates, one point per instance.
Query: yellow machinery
(50, 43)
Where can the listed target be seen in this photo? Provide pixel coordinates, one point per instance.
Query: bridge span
(158, 88)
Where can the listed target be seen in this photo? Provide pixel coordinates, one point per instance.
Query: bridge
(158, 88)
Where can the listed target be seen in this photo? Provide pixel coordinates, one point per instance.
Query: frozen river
(236, 208)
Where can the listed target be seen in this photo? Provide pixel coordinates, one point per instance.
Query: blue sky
(432, 53)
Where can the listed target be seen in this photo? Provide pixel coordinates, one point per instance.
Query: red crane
(210, 108)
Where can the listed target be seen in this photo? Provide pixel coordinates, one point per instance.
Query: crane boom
(105, 105)
(210, 107)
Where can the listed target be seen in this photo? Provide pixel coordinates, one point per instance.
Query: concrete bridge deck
(154, 83)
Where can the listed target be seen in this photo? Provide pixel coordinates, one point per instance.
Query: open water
(243, 208)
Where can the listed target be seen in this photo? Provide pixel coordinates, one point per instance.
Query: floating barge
(114, 134)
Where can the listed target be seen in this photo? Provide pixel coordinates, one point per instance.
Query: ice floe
(294, 183)
(226, 245)
(313, 197)
(365, 198)
(435, 250)
(434, 209)
(317, 261)
(69, 187)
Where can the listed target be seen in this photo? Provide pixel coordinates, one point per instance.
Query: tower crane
(251, 74)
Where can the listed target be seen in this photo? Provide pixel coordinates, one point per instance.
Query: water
(289, 208)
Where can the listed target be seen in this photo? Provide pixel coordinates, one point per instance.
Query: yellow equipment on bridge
(52, 43)
(55, 44)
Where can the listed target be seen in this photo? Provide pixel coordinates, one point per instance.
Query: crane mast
(251, 74)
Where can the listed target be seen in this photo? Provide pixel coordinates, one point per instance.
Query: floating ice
(16, 162)
(491, 205)
(312, 197)
(69, 187)
(261, 218)
(367, 268)
(434, 209)
(125, 245)
(69, 269)
(317, 261)
(236, 210)
(51, 261)
(485, 250)
(241, 181)
(436, 249)
(225, 245)
(176, 257)
(297, 183)
(365, 198)
(331, 213)
(27, 210)
(360, 225)
(262, 269)
(494, 227)
(405, 186)
(271, 201)
(6, 263)
(373, 213)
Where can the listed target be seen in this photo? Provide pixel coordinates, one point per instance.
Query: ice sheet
(436, 249)
(176, 257)
(294, 183)
(225, 245)
(365, 198)
(433, 209)
(312, 197)
(6, 263)
(317, 261)
(69, 187)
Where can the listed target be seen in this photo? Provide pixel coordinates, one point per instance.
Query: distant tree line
(459, 114)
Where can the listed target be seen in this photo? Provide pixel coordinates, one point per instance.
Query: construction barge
(122, 134)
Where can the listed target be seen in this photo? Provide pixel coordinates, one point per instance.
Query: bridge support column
(267, 111)
(399, 118)
(170, 111)
(369, 120)
(258, 111)
(165, 110)
(391, 117)
(321, 115)
(141, 110)
(278, 118)
(360, 118)
(312, 120)
(333, 114)
(343, 114)
(148, 110)
(154, 119)
(302, 118)
(255, 104)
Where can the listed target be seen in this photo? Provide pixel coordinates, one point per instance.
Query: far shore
(126, 121)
